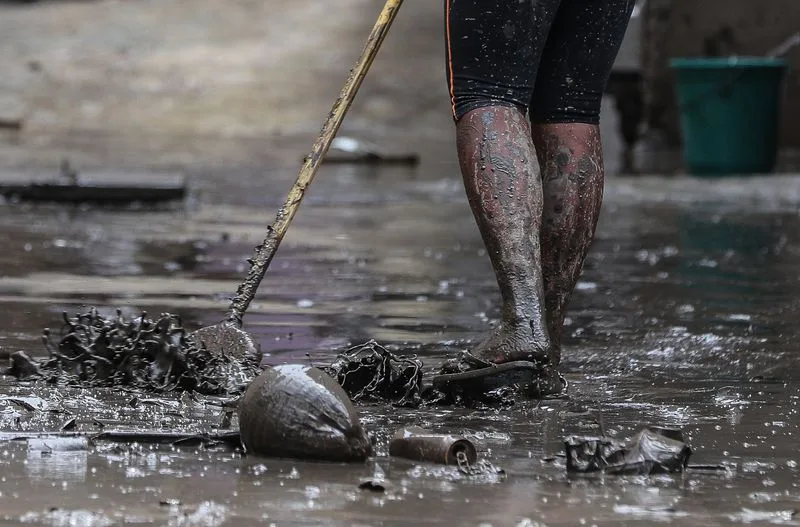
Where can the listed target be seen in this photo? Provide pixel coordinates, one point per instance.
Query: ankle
(528, 329)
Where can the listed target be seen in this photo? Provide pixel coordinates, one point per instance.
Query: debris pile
(160, 355)
(155, 355)
(372, 373)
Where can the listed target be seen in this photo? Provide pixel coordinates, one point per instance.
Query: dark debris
(154, 355)
(370, 372)
(159, 355)
(652, 451)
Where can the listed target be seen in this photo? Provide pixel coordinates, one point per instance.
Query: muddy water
(686, 315)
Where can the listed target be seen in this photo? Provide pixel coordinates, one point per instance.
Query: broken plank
(96, 187)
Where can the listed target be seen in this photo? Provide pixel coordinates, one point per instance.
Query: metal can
(422, 445)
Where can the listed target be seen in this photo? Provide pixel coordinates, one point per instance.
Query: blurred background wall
(686, 28)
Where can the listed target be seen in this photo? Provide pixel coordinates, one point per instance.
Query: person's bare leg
(501, 178)
(571, 161)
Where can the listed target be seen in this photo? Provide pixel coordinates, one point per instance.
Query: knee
(463, 106)
(468, 94)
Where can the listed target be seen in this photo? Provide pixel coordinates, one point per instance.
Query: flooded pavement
(685, 316)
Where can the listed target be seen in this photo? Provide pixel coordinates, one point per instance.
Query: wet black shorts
(551, 58)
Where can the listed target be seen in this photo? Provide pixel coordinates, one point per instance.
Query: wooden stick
(265, 252)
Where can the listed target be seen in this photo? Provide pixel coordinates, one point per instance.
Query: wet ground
(686, 314)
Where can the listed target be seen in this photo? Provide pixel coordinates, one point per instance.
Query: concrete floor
(191, 83)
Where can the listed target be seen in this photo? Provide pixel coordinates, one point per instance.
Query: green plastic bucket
(729, 112)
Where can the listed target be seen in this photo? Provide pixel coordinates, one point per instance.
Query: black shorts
(551, 58)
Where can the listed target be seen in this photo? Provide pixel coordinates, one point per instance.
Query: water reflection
(55, 465)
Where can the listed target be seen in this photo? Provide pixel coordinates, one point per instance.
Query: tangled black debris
(159, 355)
(155, 355)
(654, 450)
(370, 372)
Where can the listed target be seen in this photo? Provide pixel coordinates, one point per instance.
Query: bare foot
(513, 342)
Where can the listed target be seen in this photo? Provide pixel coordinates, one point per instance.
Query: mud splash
(154, 355)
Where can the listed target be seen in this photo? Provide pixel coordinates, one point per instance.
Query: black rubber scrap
(653, 450)
(469, 377)
(370, 372)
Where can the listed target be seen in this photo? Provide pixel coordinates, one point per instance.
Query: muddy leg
(571, 161)
(501, 179)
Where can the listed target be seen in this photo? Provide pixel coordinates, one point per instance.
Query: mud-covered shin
(421, 445)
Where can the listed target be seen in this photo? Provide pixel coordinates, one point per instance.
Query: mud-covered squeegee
(228, 337)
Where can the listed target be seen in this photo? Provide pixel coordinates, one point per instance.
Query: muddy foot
(507, 344)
